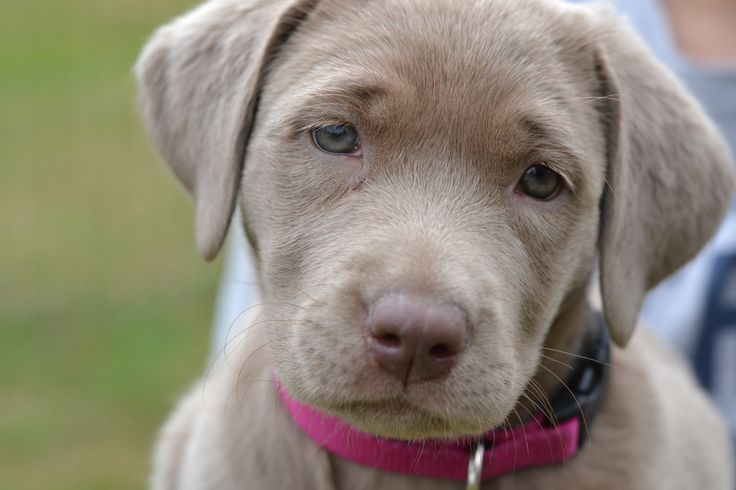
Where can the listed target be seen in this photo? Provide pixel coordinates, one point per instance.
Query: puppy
(428, 187)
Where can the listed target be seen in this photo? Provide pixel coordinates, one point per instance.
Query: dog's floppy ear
(199, 84)
(669, 176)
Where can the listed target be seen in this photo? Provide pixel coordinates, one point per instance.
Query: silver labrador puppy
(428, 186)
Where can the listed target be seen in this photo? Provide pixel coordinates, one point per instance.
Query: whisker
(543, 398)
(523, 429)
(580, 408)
(242, 369)
(568, 366)
(577, 356)
(539, 424)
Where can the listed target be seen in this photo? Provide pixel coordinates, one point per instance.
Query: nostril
(442, 352)
(388, 340)
(415, 338)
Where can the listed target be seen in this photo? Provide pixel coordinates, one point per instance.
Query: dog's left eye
(540, 182)
(339, 138)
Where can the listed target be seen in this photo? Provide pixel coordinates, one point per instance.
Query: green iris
(340, 139)
(540, 182)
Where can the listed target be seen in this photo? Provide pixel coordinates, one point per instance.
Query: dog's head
(427, 185)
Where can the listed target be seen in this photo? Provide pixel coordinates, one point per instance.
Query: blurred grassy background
(104, 305)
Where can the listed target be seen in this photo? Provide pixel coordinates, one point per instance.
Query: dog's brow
(552, 144)
(338, 102)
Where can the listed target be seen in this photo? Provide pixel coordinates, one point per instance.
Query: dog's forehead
(441, 43)
(422, 60)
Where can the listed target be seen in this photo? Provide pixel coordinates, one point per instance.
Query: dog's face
(463, 176)
(435, 151)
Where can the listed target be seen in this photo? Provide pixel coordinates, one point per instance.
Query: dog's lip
(381, 404)
(408, 421)
(388, 407)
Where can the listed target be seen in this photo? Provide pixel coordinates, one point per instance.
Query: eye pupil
(337, 138)
(540, 182)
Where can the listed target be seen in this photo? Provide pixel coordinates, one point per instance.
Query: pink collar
(538, 443)
(533, 444)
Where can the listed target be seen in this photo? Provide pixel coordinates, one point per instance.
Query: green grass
(104, 304)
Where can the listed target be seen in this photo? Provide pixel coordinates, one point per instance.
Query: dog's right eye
(340, 139)
(540, 182)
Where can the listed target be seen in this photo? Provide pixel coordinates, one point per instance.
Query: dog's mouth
(401, 419)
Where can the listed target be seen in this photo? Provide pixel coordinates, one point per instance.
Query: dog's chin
(404, 421)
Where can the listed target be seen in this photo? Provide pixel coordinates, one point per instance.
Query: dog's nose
(416, 338)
